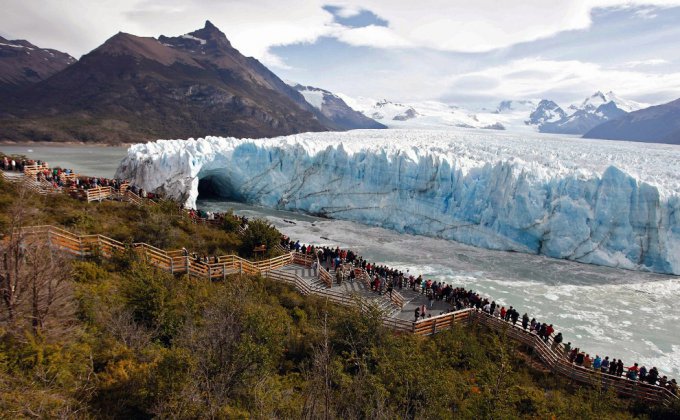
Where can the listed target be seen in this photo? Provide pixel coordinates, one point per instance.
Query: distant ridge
(23, 64)
(334, 108)
(658, 124)
(133, 89)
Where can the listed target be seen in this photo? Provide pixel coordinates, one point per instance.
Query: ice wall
(560, 197)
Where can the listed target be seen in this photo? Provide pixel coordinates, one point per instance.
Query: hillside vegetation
(120, 339)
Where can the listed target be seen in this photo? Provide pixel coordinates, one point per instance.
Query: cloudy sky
(460, 52)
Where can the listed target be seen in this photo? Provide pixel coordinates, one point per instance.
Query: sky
(462, 52)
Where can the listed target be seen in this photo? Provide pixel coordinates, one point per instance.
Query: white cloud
(254, 26)
(418, 31)
(645, 63)
(567, 80)
(371, 36)
(484, 25)
(346, 12)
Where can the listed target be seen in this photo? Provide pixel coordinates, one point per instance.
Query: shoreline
(62, 144)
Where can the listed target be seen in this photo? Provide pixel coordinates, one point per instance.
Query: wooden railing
(363, 276)
(98, 194)
(324, 276)
(435, 324)
(30, 183)
(556, 361)
(32, 170)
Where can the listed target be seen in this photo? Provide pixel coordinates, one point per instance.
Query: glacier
(592, 201)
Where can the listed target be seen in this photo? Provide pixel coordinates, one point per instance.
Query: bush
(260, 232)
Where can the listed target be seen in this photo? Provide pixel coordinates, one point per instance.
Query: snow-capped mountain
(514, 115)
(598, 99)
(23, 64)
(657, 124)
(333, 108)
(438, 115)
(546, 112)
(593, 111)
(510, 106)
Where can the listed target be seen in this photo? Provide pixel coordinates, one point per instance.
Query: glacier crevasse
(559, 197)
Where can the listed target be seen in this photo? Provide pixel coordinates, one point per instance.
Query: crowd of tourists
(385, 279)
(11, 163)
(67, 179)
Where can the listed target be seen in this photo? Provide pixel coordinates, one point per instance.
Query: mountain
(512, 106)
(332, 107)
(546, 112)
(434, 115)
(658, 124)
(23, 64)
(132, 89)
(593, 111)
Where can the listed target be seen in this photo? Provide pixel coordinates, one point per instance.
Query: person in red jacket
(548, 332)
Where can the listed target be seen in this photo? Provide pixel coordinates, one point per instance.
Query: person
(673, 387)
(557, 340)
(508, 314)
(503, 312)
(514, 316)
(487, 308)
(548, 332)
(613, 367)
(567, 349)
(543, 331)
(597, 362)
(619, 368)
(525, 320)
(580, 358)
(417, 313)
(338, 276)
(652, 376)
(643, 374)
(532, 324)
(633, 372)
(423, 311)
(663, 381)
(604, 367)
(430, 300)
(573, 354)
(587, 362)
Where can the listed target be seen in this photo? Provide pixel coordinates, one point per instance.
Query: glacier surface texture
(607, 203)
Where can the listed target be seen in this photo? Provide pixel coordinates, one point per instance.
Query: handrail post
(224, 271)
(186, 260)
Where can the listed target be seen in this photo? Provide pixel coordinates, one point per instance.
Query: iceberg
(606, 203)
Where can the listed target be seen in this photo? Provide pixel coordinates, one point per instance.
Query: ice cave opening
(218, 186)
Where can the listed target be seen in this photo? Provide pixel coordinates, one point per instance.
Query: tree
(260, 232)
(34, 278)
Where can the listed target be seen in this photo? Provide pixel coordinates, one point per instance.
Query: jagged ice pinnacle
(612, 203)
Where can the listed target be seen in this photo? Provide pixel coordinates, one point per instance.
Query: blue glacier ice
(607, 203)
